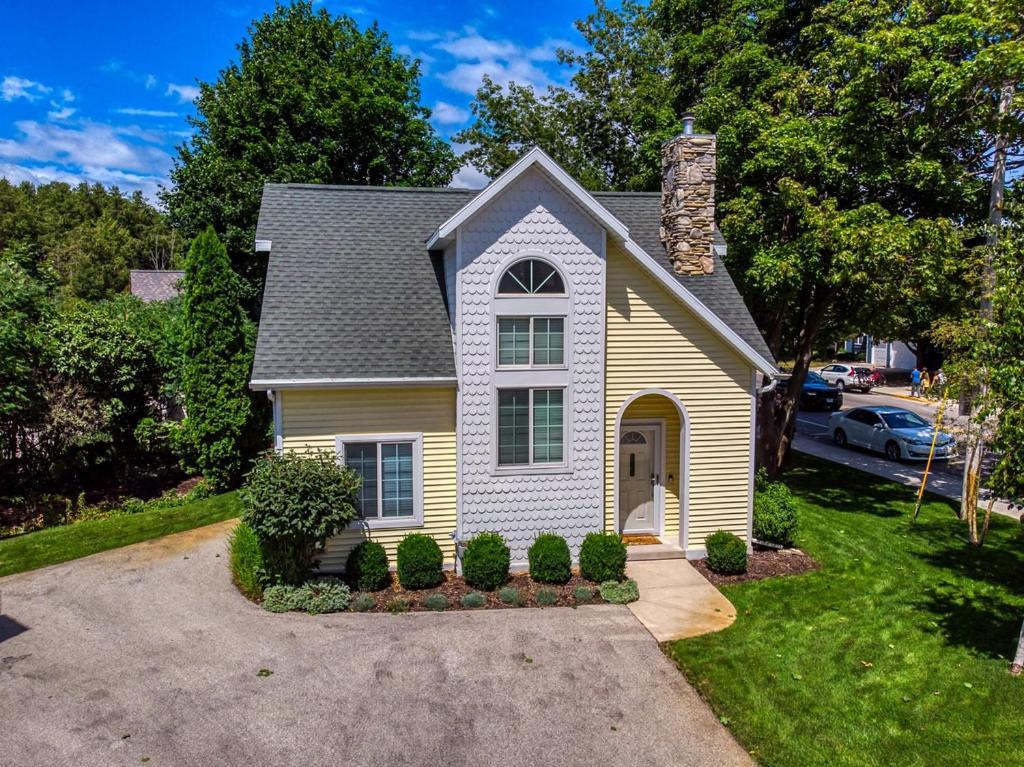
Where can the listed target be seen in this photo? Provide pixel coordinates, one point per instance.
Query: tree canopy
(312, 98)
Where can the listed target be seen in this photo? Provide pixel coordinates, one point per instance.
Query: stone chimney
(688, 200)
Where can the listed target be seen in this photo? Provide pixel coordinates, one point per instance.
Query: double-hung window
(531, 427)
(531, 341)
(391, 469)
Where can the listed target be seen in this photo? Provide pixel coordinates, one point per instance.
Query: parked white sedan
(900, 434)
(844, 376)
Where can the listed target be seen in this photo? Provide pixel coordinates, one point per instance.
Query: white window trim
(531, 365)
(563, 466)
(416, 438)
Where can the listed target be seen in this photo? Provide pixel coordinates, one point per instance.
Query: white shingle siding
(532, 216)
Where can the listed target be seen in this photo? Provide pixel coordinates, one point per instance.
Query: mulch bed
(454, 587)
(763, 563)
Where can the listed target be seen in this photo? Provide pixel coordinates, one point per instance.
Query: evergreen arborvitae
(223, 424)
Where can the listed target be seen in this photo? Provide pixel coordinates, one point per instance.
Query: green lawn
(59, 544)
(896, 653)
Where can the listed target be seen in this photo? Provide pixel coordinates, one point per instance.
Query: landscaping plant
(620, 593)
(775, 519)
(727, 553)
(367, 567)
(294, 503)
(420, 562)
(583, 594)
(363, 603)
(473, 599)
(603, 557)
(436, 602)
(247, 568)
(546, 596)
(549, 558)
(322, 595)
(486, 561)
(510, 595)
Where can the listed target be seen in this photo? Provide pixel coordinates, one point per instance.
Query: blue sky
(100, 91)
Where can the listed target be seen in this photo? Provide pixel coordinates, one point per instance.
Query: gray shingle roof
(351, 291)
(155, 284)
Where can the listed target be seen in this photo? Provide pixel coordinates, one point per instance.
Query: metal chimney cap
(688, 120)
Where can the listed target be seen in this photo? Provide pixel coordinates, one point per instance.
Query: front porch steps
(654, 551)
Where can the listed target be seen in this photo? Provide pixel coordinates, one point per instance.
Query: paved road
(946, 477)
(149, 655)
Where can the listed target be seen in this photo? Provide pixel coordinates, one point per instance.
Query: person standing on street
(915, 383)
(926, 382)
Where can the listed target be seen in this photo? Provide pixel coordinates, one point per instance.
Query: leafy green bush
(583, 593)
(775, 518)
(323, 595)
(603, 557)
(363, 603)
(546, 596)
(419, 562)
(510, 595)
(437, 602)
(294, 504)
(486, 561)
(620, 593)
(367, 567)
(474, 599)
(247, 568)
(549, 558)
(727, 553)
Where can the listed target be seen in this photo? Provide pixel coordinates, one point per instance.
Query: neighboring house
(526, 358)
(884, 354)
(156, 284)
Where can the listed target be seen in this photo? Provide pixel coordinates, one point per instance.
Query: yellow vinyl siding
(653, 341)
(311, 419)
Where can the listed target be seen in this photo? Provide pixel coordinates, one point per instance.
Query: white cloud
(449, 114)
(185, 93)
(150, 81)
(19, 88)
(469, 177)
(68, 96)
(503, 60)
(138, 112)
(92, 145)
(43, 174)
(60, 113)
(422, 35)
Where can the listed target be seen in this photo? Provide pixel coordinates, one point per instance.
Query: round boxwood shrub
(775, 519)
(620, 593)
(419, 562)
(486, 561)
(367, 567)
(727, 553)
(603, 557)
(549, 558)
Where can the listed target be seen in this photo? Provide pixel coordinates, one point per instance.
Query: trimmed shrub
(546, 596)
(620, 593)
(437, 602)
(363, 603)
(775, 519)
(727, 553)
(367, 567)
(486, 561)
(510, 595)
(474, 599)
(419, 562)
(247, 568)
(583, 593)
(549, 558)
(294, 504)
(603, 557)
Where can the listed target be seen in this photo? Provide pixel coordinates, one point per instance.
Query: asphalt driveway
(148, 655)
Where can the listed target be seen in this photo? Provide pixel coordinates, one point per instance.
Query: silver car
(844, 376)
(900, 434)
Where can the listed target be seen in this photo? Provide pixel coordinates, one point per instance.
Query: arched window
(633, 438)
(531, 277)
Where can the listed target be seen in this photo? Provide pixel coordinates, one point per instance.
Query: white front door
(638, 479)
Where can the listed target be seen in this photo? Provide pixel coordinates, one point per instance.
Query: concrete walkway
(676, 601)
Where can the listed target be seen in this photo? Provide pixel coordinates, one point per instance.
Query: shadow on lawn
(984, 623)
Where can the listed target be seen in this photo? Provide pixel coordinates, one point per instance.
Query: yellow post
(931, 454)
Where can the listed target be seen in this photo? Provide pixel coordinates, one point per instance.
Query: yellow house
(525, 358)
